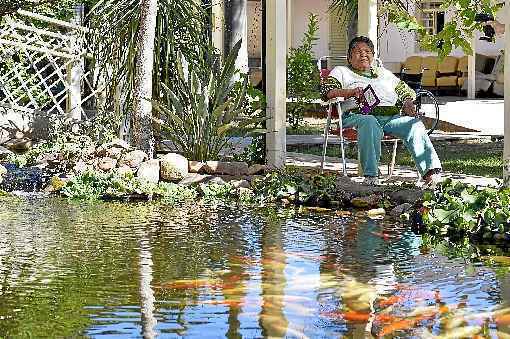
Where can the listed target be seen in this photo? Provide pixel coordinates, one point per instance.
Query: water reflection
(203, 271)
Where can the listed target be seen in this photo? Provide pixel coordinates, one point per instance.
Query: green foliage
(180, 34)
(460, 210)
(303, 78)
(204, 107)
(214, 192)
(457, 33)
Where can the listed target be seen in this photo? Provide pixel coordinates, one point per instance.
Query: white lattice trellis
(42, 66)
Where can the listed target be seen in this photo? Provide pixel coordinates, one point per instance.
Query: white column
(75, 69)
(367, 20)
(506, 149)
(290, 24)
(218, 24)
(471, 78)
(276, 78)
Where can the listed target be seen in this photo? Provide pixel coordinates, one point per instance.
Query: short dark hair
(358, 39)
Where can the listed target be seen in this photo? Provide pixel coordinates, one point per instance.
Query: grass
(482, 159)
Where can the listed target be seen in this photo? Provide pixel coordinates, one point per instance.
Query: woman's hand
(346, 93)
(408, 108)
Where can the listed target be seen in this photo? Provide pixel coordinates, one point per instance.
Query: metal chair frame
(339, 102)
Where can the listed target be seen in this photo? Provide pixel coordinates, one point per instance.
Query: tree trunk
(143, 137)
(237, 28)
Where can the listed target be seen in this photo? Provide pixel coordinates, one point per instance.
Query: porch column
(218, 24)
(471, 78)
(506, 149)
(290, 24)
(367, 21)
(276, 86)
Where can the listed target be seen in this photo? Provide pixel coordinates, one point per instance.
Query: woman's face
(361, 57)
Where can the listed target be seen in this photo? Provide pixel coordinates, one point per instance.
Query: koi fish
(348, 316)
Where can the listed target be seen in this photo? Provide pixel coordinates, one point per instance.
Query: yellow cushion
(448, 65)
(413, 64)
(463, 64)
(429, 75)
(460, 81)
(450, 80)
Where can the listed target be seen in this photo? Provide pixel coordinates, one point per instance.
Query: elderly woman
(395, 113)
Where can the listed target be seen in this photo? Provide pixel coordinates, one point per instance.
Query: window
(432, 16)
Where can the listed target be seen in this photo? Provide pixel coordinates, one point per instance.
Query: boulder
(194, 179)
(133, 159)
(115, 147)
(400, 209)
(174, 167)
(256, 169)
(240, 183)
(4, 152)
(20, 145)
(196, 166)
(80, 167)
(3, 170)
(149, 171)
(106, 164)
(124, 170)
(230, 168)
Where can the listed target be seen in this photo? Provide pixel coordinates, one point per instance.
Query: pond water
(145, 270)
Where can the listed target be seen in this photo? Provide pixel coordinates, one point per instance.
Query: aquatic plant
(459, 210)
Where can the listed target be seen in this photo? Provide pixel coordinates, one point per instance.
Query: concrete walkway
(483, 115)
(401, 174)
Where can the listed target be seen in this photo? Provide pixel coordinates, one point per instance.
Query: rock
(133, 159)
(3, 170)
(195, 178)
(196, 166)
(256, 169)
(406, 195)
(230, 168)
(113, 148)
(19, 145)
(125, 170)
(149, 171)
(80, 167)
(240, 183)
(400, 209)
(106, 164)
(365, 202)
(174, 167)
(217, 181)
(376, 212)
(4, 152)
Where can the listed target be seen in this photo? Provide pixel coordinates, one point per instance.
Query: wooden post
(75, 70)
(471, 79)
(276, 81)
(506, 148)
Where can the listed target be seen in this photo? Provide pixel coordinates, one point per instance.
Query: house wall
(300, 11)
(396, 45)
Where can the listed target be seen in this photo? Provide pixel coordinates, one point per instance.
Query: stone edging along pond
(115, 171)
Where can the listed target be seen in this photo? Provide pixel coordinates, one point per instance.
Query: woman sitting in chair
(395, 114)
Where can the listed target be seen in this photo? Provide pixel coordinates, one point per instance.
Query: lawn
(482, 158)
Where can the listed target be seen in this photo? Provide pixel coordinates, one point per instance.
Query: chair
(429, 65)
(447, 75)
(336, 107)
(349, 134)
(462, 70)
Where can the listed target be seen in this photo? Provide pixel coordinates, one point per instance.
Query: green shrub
(303, 78)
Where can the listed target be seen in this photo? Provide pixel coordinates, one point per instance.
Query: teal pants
(410, 130)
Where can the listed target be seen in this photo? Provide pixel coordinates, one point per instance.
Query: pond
(199, 271)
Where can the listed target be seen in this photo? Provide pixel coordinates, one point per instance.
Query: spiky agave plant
(204, 106)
